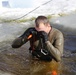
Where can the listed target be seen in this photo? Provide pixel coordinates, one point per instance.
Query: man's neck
(49, 29)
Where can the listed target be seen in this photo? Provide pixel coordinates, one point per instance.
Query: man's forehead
(41, 23)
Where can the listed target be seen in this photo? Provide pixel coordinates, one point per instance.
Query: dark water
(19, 61)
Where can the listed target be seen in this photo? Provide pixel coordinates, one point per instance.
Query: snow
(54, 7)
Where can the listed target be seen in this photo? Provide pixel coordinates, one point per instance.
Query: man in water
(46, 42)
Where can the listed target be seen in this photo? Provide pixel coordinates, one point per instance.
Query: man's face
(41, 27)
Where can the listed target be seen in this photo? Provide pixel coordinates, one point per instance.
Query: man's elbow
(15, 46)
(17, 43)
(58, 58)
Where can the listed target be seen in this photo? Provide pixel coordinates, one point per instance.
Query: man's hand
(28, 32)
(43, 35)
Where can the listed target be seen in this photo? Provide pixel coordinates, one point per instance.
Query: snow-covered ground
(54, 7)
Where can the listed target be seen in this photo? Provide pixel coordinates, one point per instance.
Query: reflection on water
(19, 61)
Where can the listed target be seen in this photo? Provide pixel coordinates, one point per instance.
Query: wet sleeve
(57, 49)
(18, 42)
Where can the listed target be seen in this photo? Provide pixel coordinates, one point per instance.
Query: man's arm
(57, 49)
(23, 38)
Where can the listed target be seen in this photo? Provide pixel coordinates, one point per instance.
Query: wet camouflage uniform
(53, 47)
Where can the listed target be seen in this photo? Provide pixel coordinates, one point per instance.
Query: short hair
(41, 19)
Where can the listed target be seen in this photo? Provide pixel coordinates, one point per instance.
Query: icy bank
(54, 7)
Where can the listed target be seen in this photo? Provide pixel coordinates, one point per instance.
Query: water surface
(19, 61)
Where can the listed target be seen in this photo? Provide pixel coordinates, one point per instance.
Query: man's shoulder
(57, 32)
